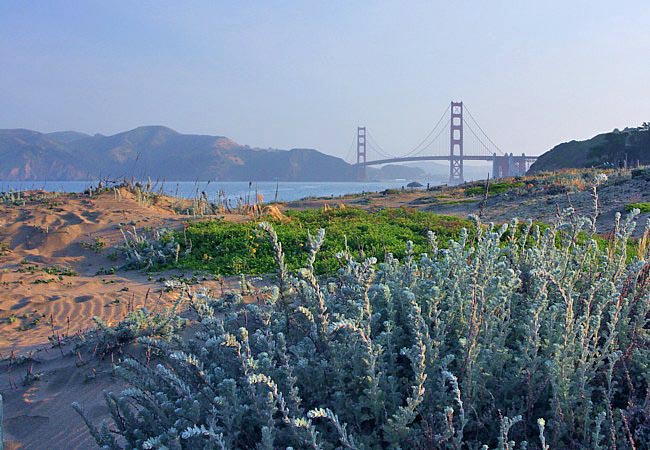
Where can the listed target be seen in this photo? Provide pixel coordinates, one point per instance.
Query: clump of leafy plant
(642, 173)
(21, 198)
(643, 207)
(145, 250)
(146, 194)
(60, 271)
(503, 336)
(495, 188)
(31, 377)
(96, 245)
(12, 198)
(27, 267)
(139, 323)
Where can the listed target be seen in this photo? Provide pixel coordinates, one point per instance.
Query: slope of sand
(41, 298)
(44, 238)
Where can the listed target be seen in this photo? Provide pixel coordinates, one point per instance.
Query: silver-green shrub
(516, 334)
(143, 251)
(139, 323)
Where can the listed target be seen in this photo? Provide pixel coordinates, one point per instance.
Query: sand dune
(49, 286)
(47, 238)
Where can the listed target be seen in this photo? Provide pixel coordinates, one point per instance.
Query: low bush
(642, 173)
(21, 198)
(61, 271)
(502, 337)
(494, 188)
(139, 323)
(144, 251)
(643, 207)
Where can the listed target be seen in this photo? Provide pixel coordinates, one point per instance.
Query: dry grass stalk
(274, 212)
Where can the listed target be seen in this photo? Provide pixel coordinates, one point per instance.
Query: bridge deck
(435, 158)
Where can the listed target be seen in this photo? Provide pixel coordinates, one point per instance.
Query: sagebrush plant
(138, 323)
(511, 334)
(21, 198)
(12, 198)
(144, 251)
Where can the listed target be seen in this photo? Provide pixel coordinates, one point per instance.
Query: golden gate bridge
(445, 142)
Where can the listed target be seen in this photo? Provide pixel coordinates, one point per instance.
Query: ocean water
(233, 190)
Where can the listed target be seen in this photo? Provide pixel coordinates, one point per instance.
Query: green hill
(603, 150)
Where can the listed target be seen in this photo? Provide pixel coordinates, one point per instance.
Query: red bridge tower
(361, 153)
(456, 144)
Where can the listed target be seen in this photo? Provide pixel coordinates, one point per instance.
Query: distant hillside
(600, 151)
(28, 155)
(158, 152)
(65, 137)
(396, 172)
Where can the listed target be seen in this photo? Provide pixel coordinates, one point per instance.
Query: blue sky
(287, 74)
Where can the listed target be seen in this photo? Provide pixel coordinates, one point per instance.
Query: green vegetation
(643, 207)
(227, 248)
(642, 173)
(20, 198)
(607, 150)
(60, 271)
(155, 249)
(495, 188)
(97, 245)
(139, 323)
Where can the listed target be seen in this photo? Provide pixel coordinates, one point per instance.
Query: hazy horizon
(305, 75)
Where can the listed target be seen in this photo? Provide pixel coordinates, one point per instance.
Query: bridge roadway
(427, 158)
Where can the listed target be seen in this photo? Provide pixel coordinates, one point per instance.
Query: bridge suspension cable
(414, 149)
(422, 146)
(376, 147)
(496, 147)
(349, 156)
(483, 145)
(434, 140)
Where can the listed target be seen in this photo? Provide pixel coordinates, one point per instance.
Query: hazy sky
(304, 74)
